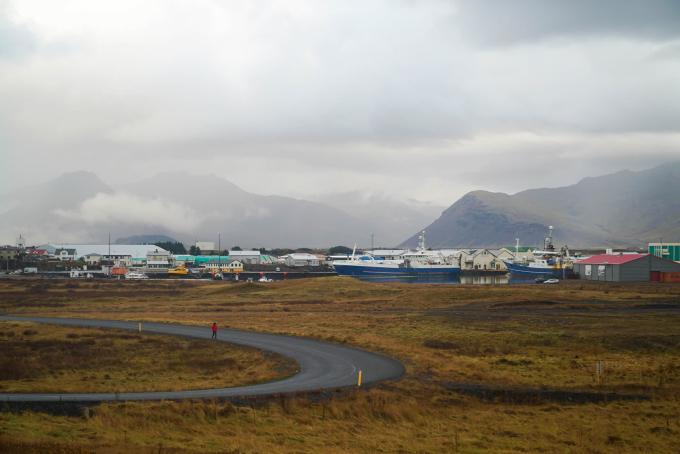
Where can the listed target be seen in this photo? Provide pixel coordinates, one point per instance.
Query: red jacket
(214, 327)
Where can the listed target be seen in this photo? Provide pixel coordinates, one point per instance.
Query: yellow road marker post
(359, 379)
(140, 327)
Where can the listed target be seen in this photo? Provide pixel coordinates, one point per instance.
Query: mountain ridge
(617, 210)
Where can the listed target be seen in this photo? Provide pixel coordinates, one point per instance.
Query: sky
(421, 99)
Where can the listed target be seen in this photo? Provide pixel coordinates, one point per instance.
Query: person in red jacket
(214, 336)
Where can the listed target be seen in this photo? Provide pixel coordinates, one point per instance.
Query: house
(65, 254)
(466, 257)
(302, 259)
(484, 259)
(267, 259)
(39, 253)
(136, 251)
(9, 252)
(249, 257)
(158, 261)
(116, 260)
(523, 252)
(226, 266)
(625, 268)
(92, 259)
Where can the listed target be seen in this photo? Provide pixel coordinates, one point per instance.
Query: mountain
(32, 211)
(618, 210)
(79, 207)
(145, 239)
(383, 213)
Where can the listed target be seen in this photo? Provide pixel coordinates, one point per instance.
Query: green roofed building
(524, 251)
(668, 251)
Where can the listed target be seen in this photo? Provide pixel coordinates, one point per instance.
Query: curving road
(322, 365)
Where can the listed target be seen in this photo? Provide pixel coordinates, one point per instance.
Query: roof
(157, 262)
(521, 248)
(68, 251)
(223, 262)
(134, 250)
(303, 256)
(612, 259)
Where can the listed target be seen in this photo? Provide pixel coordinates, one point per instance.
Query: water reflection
(489, 280)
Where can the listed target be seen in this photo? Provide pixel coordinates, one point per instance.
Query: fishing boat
(420, 262)
(548, 262)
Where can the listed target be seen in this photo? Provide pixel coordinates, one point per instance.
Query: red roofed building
(41, 252)
(625, 268)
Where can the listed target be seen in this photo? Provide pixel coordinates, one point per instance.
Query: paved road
(322, 365)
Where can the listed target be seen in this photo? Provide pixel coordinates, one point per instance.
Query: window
(588, 270)
(600, 270)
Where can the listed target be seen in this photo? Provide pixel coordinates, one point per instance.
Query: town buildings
(625, 268)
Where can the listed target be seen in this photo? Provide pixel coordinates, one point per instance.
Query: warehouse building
(625, 268)
(668, 251)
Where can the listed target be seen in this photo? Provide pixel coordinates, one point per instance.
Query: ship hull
(555, 270)
(361, 270)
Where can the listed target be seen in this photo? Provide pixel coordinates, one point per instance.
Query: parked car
(540, 280)
(552, 281)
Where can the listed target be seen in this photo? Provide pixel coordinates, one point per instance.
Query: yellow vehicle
(180, 271)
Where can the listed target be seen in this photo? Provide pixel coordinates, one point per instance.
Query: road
(322, 365)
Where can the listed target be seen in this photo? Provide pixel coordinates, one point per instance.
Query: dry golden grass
(524, 336)
(412, 420)
(36, 358)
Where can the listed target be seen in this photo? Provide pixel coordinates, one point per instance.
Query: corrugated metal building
(624, 268)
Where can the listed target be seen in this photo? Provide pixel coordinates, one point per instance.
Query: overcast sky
(423, 99)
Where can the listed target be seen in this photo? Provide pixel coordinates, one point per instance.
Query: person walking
(214, 336)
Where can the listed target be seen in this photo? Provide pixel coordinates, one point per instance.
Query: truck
(31, 270)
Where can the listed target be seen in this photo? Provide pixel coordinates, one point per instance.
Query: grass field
(37, 358)
(514, 336)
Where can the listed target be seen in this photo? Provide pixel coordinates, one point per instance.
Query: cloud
(16, 40)
(503, 23)
(125, 208)
(319, 96)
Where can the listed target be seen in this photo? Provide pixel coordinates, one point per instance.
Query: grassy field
(514, 336)
(36, 358)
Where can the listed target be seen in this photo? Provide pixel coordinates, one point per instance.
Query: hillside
(618, 210)
(79, 207)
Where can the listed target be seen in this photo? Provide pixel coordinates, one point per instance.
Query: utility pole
(219, 252)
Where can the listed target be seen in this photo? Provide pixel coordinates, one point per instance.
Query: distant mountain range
(79, 207)
(618, 210)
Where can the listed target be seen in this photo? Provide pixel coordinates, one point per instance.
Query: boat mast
(517, 249)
